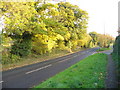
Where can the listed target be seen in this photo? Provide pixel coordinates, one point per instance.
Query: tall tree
(18, 25)
(60, 25)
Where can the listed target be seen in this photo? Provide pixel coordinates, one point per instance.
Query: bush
(22, 46)
(7, 59)
(14, 58)
(116, 46)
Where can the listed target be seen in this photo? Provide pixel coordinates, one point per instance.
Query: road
(31, 75)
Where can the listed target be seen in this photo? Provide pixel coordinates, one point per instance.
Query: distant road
(31, 75)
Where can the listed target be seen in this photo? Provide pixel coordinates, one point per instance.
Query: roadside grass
(33, 58)
(103, 49)
(88, 73)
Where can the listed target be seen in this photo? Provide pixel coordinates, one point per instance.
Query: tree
(75, 20)
(94, 36)
(59, 20)
(46, 26)
(19, 25)
(105, 40)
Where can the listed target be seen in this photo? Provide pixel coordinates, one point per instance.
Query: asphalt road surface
(31, 75)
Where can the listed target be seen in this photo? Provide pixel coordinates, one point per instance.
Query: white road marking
(93, 53)
(50, 65)
(67, 59)
(38, 69)
(76, 56)
(64, 60)
(1, 81)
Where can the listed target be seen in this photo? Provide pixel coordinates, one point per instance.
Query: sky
(103, 15)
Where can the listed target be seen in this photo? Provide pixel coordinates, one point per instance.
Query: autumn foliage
(39, 28)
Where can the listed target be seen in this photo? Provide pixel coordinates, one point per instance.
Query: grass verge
(88, 73)
(103, 49)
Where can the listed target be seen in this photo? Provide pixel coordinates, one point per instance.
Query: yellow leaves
(51, 44)
(67, 36)
(81, 42)
(85, 40)
(59, 37)
(51, 24)
(61, 45)
(7, 20)
(18, 15)
(42, 38)
(74, 44)
(44, 43)
(1, 7)
(54, 12)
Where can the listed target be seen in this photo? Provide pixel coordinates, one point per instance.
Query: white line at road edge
(1, 81)
(46, 66)
(66, 59)
(38, 69)
(49, 65)
(93, 53)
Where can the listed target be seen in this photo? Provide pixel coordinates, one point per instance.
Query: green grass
(88, 73)
(103, 49)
